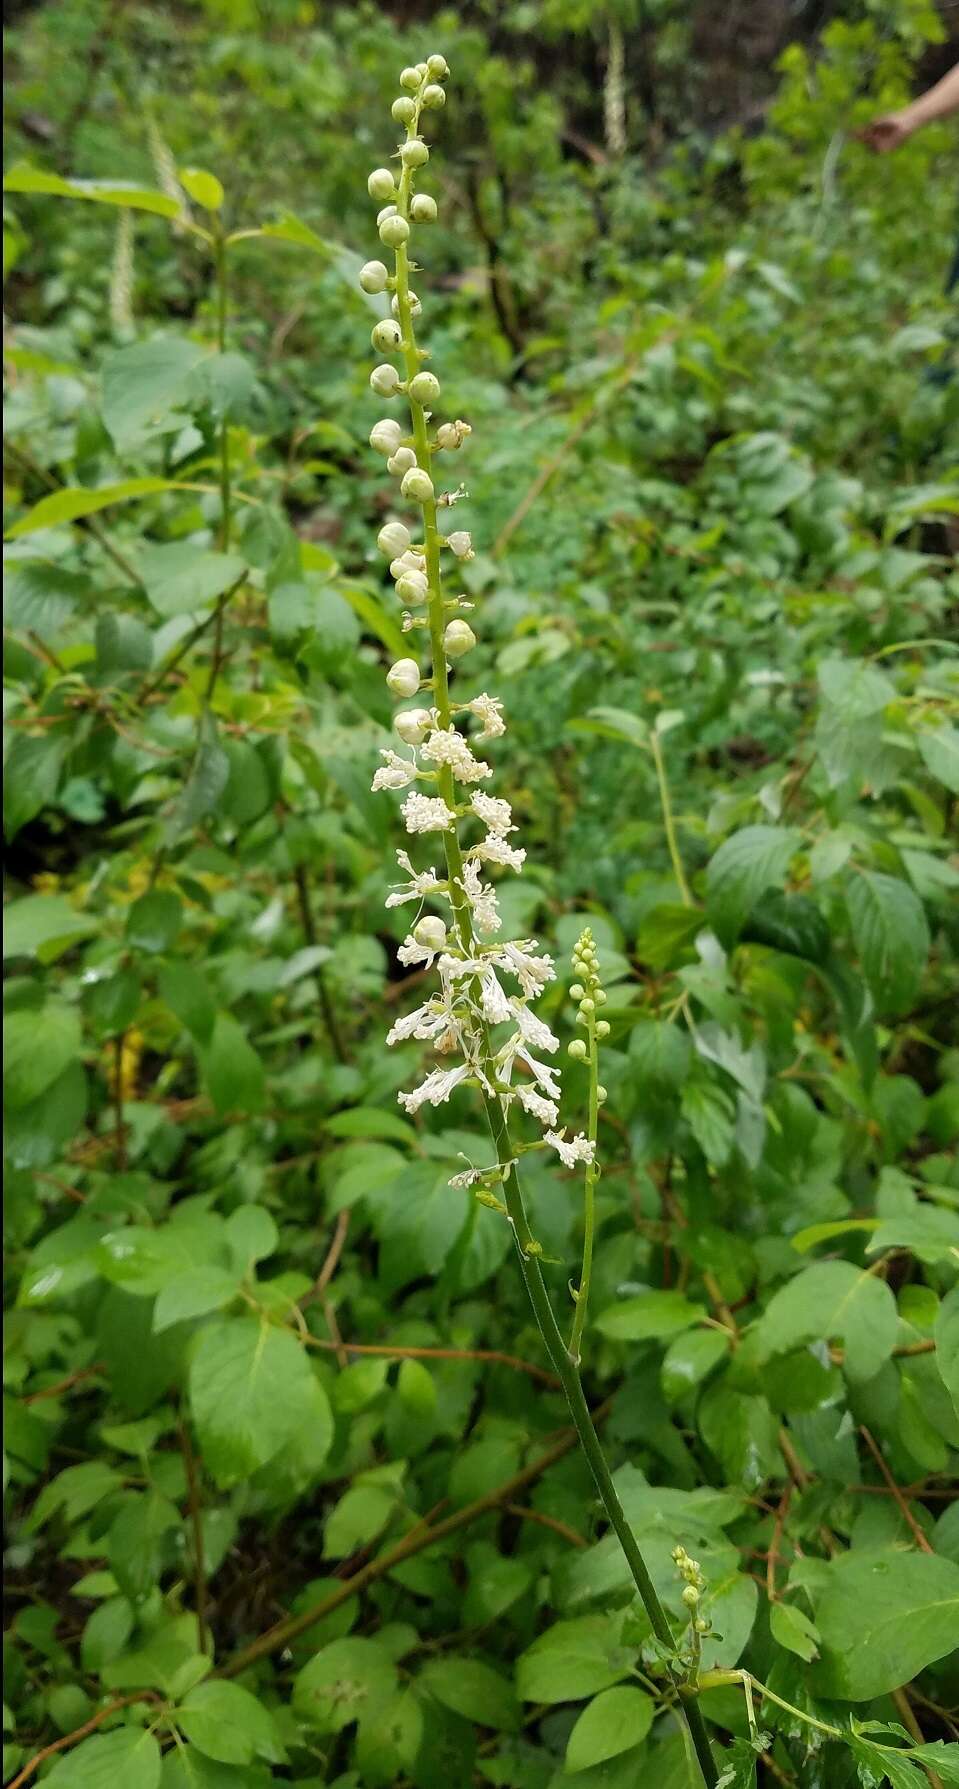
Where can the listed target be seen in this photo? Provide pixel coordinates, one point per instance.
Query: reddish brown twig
(72, 1739)
(490, 1356)
(552, 1522)
(53, 1391)
(904, 1510)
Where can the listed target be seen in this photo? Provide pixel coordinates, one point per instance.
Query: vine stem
(560, 1357)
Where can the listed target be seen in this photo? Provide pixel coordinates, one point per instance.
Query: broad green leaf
(251, 1389)
(228, 1724)
(615, 723)
(473, 1690)
(39, 1043)
(24, 179)
(180, 578)
(882, 1617)
(891, 935)
(791, 1628)
(832, 1301)
(142, 384)
(806, 1239)
(193, 1293)
(154, 920)
(209, 774)
(231, 1068)
(356, 1519)
(939, 749)
(184, 989)
(753, 860)
(573, 1659)
(136, 1542)
(614, 1721)
(204, 188)
(947, 1344)
(661, 1054)
(31, 777)
(44, 926)
(128, 1755)
(345, 1682)
(648, 1315)
(689, 1360)
(73, 503)
(39, 597)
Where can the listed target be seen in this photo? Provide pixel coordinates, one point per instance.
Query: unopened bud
(387, 211)
(452, 434)
(401, 461)
(416, 309)
(430, 932)
(422, 205)
(403, 678)
(373, 276)
(381, 184)
(602, 1094)
(412, 587)
(602, 1028)
(425, 388)
(393, 539)
(413, 153)
(385, 380)
(433, 96)
(577, 991)
(410, 79)
(577, 1049)
(437, 68)
(413, 724)
(386, 435)
(386, 335)
(418, 485)
(460, 543)
(394, 231)
(403, 110)
(458, 639)
(690, 1596)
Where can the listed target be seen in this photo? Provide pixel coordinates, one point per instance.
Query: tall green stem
(589, 1199)
(561, 1358)
(226, 488)
(668, 821)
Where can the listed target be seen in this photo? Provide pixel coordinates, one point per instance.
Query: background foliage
(713, 394)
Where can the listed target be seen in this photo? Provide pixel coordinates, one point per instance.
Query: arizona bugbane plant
(480, 1021)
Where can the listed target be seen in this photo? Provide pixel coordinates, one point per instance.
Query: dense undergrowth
(292, 1495)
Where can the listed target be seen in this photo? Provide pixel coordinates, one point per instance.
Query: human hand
(886, 133)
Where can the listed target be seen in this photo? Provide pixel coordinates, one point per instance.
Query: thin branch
(544, 1521)
(196, 1529)
(416, 1541)
(904, 1510)
(491, 1356)
(309, 932)
(772, 1557)
(72, 1739)
(62, 1385)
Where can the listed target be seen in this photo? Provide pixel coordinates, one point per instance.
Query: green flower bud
(403, 678)
(385, 380)
(394, 231)
(458, 639)
(413, 153)
(418, 485)
(401, 461)
(387, 211)
(602, 1094)
(386, 335)
(701, 1624)
(410, 79)
(433, 97)
(412, 587)
(422, 205)
(425, 388)
(437, 68)
(586, 1005)
(460, 542)
(381, 184)
(430, 932)
(385, 436)
(690, 1596)
(577, 991)
(577, 1049)
(602, 1029)
(373, 276)
(600, 997)
(412, 725)
(452, 434)
(393, 539)
(422, 70)
(403, 110)
(416, 309)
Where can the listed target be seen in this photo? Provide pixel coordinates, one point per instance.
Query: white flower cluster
(483, 986)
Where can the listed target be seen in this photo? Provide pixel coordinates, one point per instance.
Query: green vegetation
(294, 1490)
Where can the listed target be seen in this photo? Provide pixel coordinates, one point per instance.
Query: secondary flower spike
(479, 1021)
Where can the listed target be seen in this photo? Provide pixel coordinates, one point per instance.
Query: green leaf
(31, 777)
(689, 1360)
(136, 1542)
(749, 863)
(794, 1630)
(573, 1659)
(891, 935)
(38, 1044)
(648, 1315)
(832, 1301)
(74, 502)
(615, 723)
(142, 384)
(473, 1690)
(942, 1755)
(128, 1755)
(204, 188)
(39, 597)
(883, 1617)
(251, 1390)
(666, 934)
(939, 750)
(849, 725)
(661, 1054)
(345, 1682)
(231, 1068)
(947, 1344)
(44, 926)
(356, 1519)
(185, 991)
(154, 920)
(614, 1721)
(24, 179)
(209, 775)
(193, 1293)
(180, 578)
(228, 1724)
(804, 1240)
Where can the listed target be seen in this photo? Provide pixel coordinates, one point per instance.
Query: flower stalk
(483, 1035)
